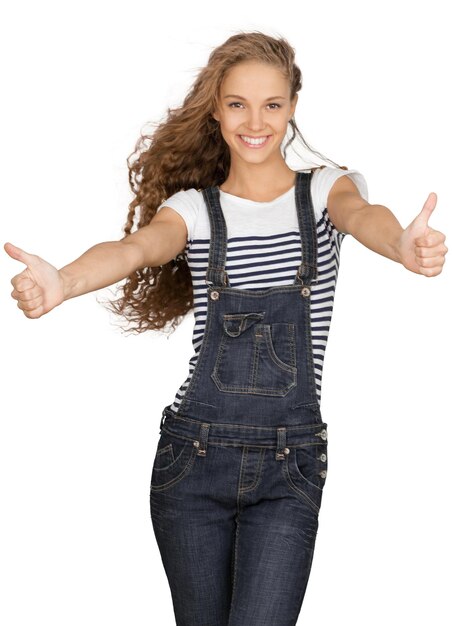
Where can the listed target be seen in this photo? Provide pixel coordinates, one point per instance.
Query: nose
(255, 120)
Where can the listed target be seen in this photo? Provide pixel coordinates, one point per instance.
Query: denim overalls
(239, 471)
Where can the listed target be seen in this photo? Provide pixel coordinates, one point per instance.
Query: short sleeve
(186, 203)
(322, 181)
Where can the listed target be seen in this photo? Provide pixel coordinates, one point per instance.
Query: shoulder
(323, 180)
(189, 196)
(186, 202)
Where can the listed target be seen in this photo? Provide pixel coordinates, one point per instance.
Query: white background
(81, 402)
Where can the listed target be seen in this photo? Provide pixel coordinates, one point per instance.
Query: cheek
(281, 125)
(227, 134)
(230, 125)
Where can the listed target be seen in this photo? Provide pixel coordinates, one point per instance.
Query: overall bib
(239, 470)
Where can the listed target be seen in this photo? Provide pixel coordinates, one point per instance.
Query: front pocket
(173, 461)
(164, 457)
(311, 463)
(254, 357)
(304, 470)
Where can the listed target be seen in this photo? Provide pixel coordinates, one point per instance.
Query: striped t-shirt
(264, 250)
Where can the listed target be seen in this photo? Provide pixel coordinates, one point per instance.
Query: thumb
(18, 254)
(427, 209)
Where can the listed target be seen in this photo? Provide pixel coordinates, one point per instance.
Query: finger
(422, 252)
(30, 305)
(22, 282)
(436, 261)
(430, 238)
(34, 314)
(26, 295)
(18, 254)
(428, 208)
(430, 271)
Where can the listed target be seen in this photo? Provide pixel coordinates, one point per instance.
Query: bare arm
(41, 287)
(107, 263)
(418, 247)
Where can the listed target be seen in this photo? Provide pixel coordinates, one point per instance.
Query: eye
(271, 104)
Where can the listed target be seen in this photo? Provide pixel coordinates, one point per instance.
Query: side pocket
(164, 457)
(173, 461)
(305, 471)
(312, 463)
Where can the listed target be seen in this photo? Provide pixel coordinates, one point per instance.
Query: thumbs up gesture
(39, 288)
(421, 248)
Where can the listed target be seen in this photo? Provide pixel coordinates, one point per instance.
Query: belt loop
(202, 443)
(281, 443)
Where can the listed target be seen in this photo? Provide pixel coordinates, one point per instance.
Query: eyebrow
(232, 95)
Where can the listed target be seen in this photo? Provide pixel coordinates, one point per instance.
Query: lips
(255, 146)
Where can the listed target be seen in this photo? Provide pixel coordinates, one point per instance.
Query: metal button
(305, 292)
(324, 434)
(322, 474)
(286, 450)
(196, 444)
(323, 457)
(214, 295)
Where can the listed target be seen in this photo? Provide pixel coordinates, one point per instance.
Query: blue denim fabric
(239, 470)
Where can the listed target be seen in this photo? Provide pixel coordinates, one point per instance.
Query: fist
(39, 287)
(422, 249)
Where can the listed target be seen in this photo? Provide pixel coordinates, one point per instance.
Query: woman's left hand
(421, 248)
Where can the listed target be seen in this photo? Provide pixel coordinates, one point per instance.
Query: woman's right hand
(39, 288)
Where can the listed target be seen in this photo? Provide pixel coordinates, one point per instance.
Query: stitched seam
(200, 360)
(235, 565)
(256, 390)
(257, 293)
(293, 345)
(216, 366)
(292, 486)
(254, 373)
(179, 477)
(269, 429)
(166, 448)
(258, 475)
(309, 348)
(271, 350)
(255, 366)
(171, 451)
(243, 464)
(306, 479)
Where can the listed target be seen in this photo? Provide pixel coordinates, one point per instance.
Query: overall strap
(307, 271)
(216, 275)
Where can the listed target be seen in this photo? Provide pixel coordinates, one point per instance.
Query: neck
(258, 180)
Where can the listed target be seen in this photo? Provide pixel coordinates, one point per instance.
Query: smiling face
(254, 110)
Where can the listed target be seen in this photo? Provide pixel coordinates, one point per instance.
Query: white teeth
(254, 141)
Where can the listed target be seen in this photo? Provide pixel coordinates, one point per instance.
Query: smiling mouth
(254, 142)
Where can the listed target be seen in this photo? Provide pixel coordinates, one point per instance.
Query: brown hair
(187, 150)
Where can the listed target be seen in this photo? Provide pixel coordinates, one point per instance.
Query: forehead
(254, 77)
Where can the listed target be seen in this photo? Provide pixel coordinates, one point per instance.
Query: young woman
(226, 227)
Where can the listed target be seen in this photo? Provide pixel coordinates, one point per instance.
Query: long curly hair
(187, 150)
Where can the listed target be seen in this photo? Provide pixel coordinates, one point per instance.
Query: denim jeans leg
(277, 524)
(275, 548)
(194, 526)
